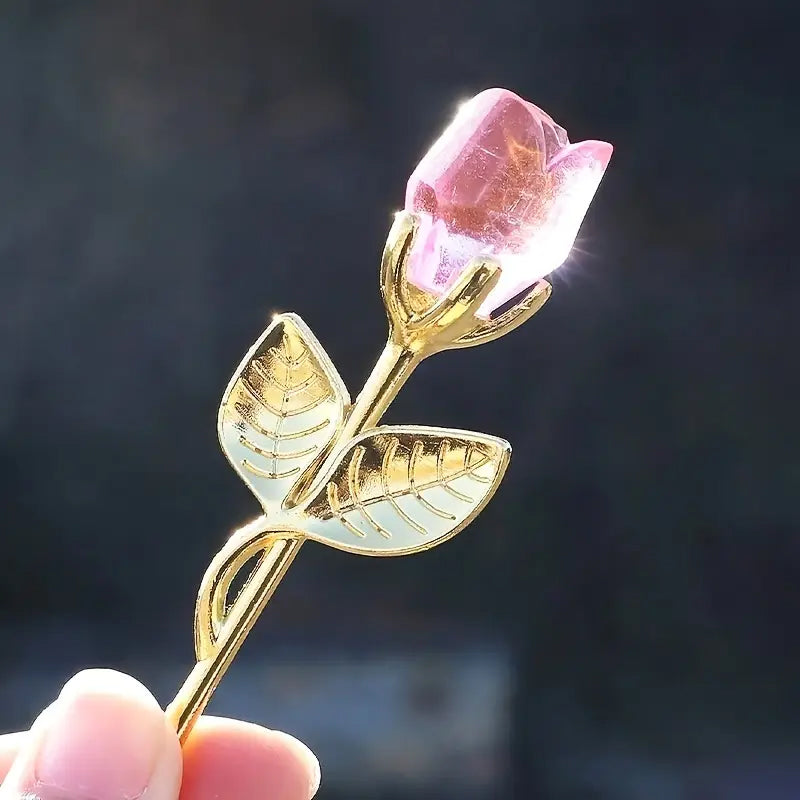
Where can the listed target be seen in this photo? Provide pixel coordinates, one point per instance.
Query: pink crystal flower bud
(502, 180)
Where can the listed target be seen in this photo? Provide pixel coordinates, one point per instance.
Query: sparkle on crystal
(502, 180)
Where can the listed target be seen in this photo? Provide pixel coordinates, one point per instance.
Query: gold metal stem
(395, 365)
(196, 691)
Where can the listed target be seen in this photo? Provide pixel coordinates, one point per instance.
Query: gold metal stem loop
(217, 649)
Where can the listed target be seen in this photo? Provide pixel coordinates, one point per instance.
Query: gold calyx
(424, 324)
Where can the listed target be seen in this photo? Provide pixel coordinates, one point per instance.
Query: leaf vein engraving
(413, 458)
(439, 481)
(282, 408)
(443, 448)
(286, 387)
(282, 418)
(241, 411)
(280, 412)
(471, 469)
(353, 470)
(288, 361)
(273, 454)
(333, 502)
(261, 473)
(388, 457)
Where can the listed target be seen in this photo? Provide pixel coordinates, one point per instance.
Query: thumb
(104, 738)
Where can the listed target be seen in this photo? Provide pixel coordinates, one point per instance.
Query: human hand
(106, 738)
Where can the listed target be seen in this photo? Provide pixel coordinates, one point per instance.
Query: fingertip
(227, 759)
(105, 737)
(108, 682)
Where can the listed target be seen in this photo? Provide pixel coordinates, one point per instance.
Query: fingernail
(309, 761)
(316, 776)
(100, 741)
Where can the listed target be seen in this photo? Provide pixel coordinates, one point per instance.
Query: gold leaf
(400, 489)
(281, 410)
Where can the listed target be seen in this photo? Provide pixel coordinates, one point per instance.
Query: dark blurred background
(622, 621)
